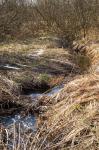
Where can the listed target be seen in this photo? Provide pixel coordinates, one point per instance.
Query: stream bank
(29, 82)
(22, 122)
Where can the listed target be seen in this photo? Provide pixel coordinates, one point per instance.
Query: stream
(19, 125)
(29, 121)
(51, 92)
(9, 67)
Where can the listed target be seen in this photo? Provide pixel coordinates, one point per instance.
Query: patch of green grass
(44, 77)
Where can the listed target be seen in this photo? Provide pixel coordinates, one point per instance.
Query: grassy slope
(72, 121)
(72, 118)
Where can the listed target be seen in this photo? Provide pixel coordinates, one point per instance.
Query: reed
(73, 121)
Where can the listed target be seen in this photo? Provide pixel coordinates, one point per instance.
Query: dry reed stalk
(73, 121)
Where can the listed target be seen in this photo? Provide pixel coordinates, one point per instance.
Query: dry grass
(71, 118)
(86, 54)
(30, 46)
(10, 98)
(8, 87)
(72, 122)
(93, 53)
(9, 92)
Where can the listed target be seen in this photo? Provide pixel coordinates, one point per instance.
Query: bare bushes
(68, 19)
(11, 18)
(71, 19)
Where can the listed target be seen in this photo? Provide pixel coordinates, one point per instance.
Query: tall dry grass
(8, 89)
(73, 121)
(85, 54)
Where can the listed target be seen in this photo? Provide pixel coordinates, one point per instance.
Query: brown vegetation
(72, 121)
(68, 19)
(8, 96)
(68, 120)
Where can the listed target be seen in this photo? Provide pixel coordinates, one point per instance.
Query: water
(53, 91)
(8, 66)
(11, 67)
(26, 122)
(16, 128)
(36, 95)
(29, 121)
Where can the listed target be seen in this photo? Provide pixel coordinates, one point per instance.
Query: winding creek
(20, 122)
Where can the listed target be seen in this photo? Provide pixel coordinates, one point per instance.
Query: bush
(83, 62)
